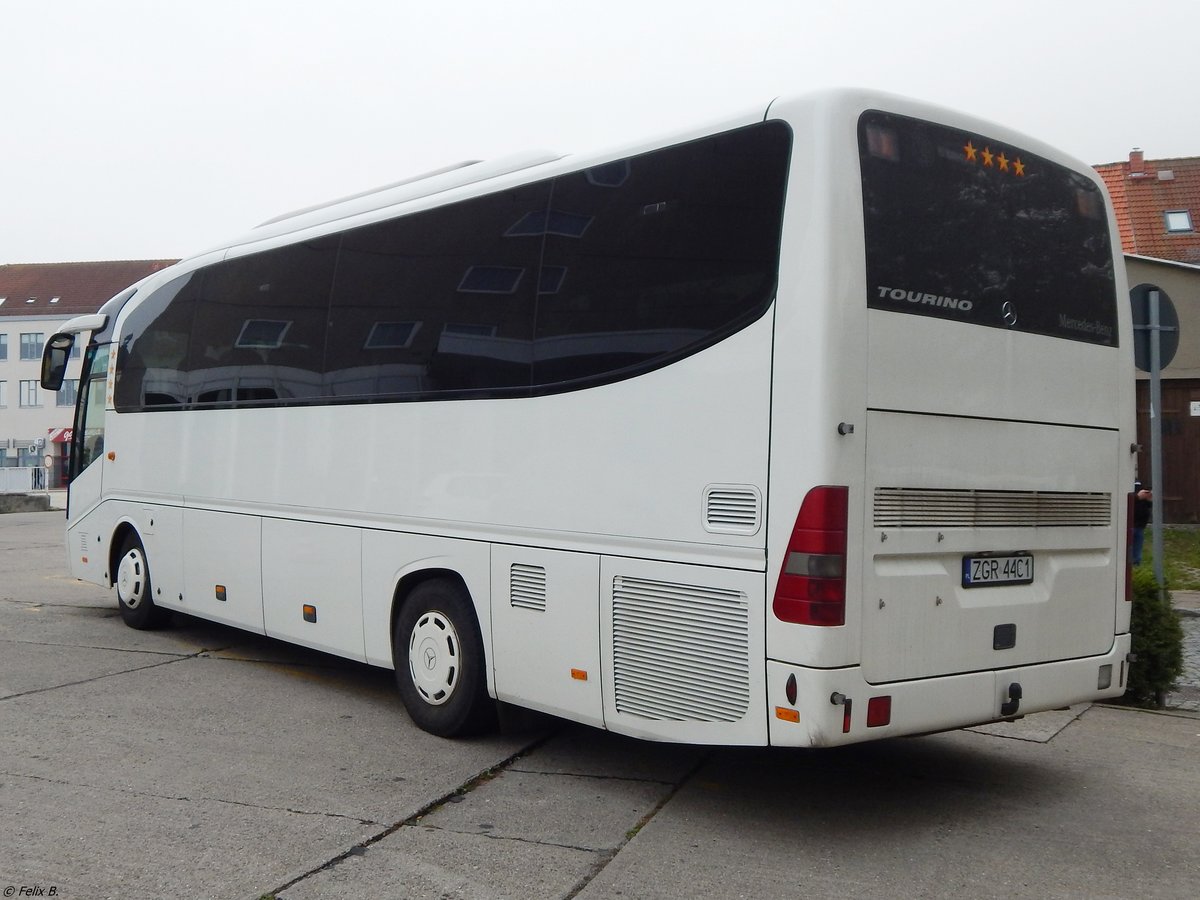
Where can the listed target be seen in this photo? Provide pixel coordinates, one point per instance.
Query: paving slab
(421, 863)
(334, 741)
(100, 842)
(541, 827)
(579, 750)
(77, 615)
(1107, 809)
(27, 668)
(584, 812)
(1041, 727)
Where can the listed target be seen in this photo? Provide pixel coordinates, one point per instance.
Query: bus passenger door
(546, 631)
(87, 438)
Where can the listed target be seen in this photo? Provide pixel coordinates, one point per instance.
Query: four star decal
(991, 160)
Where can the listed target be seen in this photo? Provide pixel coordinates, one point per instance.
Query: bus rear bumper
(834, 706)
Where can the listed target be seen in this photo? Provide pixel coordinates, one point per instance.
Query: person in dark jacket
(1143, 504)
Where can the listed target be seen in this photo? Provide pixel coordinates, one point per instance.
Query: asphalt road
(203, 762)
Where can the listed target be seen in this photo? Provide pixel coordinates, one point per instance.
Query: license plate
(988, 571)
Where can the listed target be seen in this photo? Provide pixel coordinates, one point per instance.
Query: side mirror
(54, 360)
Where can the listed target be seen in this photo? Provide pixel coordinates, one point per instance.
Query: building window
(3, 394)
(1178, 220)
(31, 346)
(262, 334)
(391, 335)
(66, 395)
(3, 346)
(491, 280)
(29, 393)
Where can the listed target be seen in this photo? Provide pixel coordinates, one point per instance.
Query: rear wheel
(134, 589)
(438, 653)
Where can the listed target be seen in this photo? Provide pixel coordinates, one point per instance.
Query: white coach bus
(810, 427)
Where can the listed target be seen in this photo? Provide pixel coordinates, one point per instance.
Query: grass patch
(1181, 556)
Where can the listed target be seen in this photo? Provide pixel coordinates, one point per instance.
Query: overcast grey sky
(145, 129)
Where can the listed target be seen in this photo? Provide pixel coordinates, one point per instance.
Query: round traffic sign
(1168, 326)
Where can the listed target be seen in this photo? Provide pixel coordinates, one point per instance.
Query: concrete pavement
(202, 761)
(1186, 695)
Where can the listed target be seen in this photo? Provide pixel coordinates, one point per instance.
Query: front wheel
(134, 588)
(438, 653)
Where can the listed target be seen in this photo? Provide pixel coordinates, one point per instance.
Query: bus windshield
(964, 227)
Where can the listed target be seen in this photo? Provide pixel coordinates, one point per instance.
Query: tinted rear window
(963, 227)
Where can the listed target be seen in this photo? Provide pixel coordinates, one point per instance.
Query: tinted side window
(659, 255)
(589, 277)
(438, 302)
(152, 366)
(260, 327)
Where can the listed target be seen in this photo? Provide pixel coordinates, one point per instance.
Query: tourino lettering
(902, 295)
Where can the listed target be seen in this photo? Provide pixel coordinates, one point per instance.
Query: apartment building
(35, 298)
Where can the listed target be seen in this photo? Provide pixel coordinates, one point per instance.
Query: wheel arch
(120, 532)
(411, 580)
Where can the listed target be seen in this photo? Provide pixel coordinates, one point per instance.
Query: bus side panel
(91, 540)
(388, 558)
(545, 622)
(624, 462)
(318, 566)
(682, 652)
(89, 536)
(161, 530)
(819, 377)
(223, 568)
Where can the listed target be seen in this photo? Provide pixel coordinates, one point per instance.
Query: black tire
(438, 652)
(134, 589)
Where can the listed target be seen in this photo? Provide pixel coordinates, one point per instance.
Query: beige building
(34, 300)
(1180, 491)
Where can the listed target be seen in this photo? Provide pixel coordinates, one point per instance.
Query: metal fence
(22, 479)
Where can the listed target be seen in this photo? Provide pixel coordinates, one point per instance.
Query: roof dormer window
(1178, 220)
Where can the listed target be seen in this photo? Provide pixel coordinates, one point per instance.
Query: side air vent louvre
(925, 508)
(732, 509)
(680, 652)
(527, 587)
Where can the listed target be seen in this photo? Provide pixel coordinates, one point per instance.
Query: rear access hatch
(967, 570)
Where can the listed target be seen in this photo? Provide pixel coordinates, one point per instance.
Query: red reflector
(879, 711)
(812, 579)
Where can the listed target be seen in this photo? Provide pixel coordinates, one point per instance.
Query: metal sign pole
(1156, 436)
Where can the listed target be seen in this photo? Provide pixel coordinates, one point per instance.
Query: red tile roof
(80, 287)
(1141, 198)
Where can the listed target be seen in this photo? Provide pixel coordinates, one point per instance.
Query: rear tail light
(812, 582)
(1129, 547)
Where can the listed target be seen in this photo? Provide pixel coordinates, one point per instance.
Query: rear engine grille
(926, 508)
(680, 652)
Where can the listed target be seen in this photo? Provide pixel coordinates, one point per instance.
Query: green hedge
(1157, 642)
